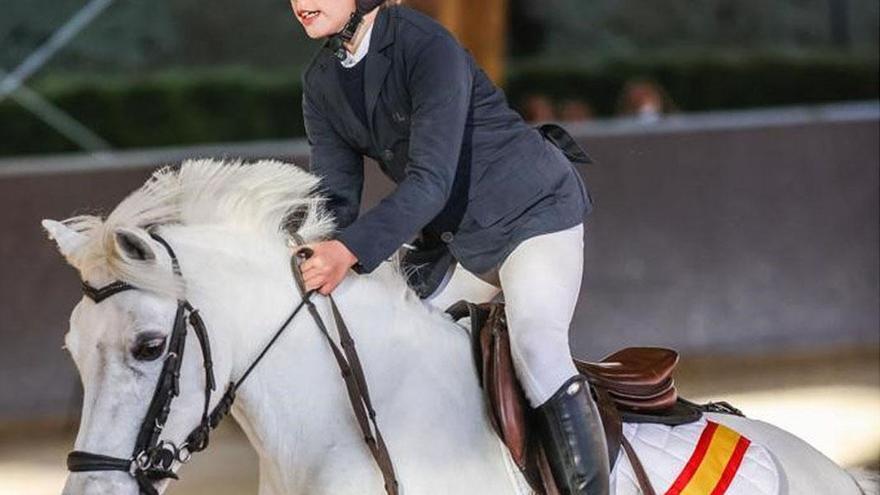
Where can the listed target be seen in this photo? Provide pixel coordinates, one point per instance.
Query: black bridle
(152, 459)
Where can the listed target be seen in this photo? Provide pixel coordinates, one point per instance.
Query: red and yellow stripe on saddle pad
(713, 464)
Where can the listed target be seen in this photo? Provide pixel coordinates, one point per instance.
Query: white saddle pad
(697, 458)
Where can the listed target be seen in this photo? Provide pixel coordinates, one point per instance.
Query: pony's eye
(148, 348)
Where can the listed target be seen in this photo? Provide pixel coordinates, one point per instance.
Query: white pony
(226, 221)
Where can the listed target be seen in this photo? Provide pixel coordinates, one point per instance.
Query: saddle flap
(478, 315)
(507, 400)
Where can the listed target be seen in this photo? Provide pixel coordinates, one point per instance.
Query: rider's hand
(327, 267)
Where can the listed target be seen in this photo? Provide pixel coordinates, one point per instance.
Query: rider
(477, 184)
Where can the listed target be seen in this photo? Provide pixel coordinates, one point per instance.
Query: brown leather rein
(353, 374)
(152, 459)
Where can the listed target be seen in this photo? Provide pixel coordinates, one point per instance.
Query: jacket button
(388, 155)
(447, 237)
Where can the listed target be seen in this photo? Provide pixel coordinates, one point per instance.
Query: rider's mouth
(306, 16)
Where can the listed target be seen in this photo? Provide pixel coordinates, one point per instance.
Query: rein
(152, 459)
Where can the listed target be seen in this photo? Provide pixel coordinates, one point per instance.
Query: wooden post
(480, 25)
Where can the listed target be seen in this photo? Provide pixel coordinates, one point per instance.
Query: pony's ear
(67, 239)
(133, 245)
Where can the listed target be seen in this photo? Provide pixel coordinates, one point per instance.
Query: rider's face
(322, 18)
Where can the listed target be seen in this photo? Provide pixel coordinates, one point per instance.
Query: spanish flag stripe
(714, 463)
(709, 473)
(694, 462)
(732, 466)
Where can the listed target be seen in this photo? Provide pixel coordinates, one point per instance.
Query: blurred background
(141, 73)
(736, 183)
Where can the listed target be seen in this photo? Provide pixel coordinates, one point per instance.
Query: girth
(152, 460)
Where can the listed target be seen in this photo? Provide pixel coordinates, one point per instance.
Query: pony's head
(121, 343)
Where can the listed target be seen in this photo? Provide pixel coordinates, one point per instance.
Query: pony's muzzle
(100, 483)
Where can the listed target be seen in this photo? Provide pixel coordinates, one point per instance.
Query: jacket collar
(383, 28)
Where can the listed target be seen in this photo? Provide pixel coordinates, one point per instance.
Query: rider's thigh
(541, 280)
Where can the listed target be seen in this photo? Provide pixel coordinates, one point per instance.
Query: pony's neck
(245, 291)
(300, 384)
(294, 407)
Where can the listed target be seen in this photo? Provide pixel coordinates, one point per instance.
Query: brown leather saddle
(633, 385)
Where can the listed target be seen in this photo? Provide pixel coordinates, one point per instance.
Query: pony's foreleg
(269, 482)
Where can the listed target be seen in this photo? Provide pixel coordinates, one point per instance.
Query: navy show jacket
(469, 170)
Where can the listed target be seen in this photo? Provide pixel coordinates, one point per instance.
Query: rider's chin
(100, 483)
(313, 32)
(315, 35)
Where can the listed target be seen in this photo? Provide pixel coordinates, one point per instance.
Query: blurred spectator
(573, 110)
(538, 108)
(644, 100)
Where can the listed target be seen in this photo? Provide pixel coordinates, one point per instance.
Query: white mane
(265, 198)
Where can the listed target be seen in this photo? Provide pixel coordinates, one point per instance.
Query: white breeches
(541, 280)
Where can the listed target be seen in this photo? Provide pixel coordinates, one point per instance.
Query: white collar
(361, 52)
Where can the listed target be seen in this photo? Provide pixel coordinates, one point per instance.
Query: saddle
(632, 385)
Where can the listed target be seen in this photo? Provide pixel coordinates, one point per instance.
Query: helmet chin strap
(338, 40)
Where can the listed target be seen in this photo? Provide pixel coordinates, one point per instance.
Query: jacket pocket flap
(563, 140)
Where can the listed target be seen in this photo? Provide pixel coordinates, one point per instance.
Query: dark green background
(162, 72)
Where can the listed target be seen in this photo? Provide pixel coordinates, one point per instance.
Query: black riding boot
(574, 440)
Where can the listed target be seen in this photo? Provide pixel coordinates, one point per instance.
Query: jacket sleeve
(340, 167)
(439, 81)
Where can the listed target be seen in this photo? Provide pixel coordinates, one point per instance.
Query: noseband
(152, 459)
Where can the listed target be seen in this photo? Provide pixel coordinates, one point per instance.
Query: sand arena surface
(831, 399)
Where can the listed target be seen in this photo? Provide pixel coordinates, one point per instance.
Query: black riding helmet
(362, 7)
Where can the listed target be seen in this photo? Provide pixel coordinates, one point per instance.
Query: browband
(99, 294)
